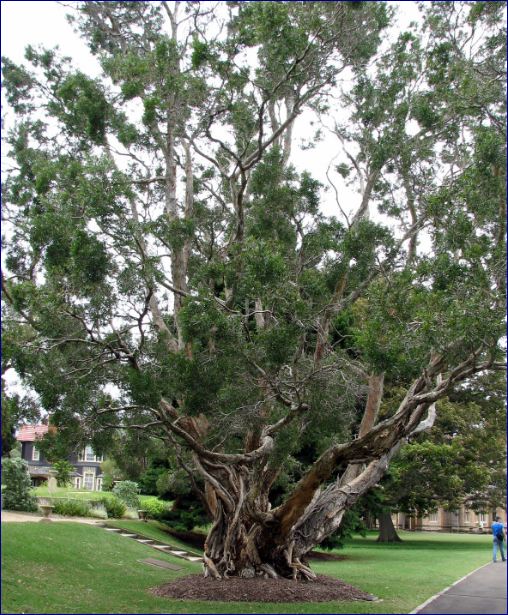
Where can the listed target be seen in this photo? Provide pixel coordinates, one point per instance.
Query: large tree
(169, 270)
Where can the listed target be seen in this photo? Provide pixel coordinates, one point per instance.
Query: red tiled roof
(30, 433)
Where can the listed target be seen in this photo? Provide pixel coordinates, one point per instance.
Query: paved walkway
(483, 591)
(22, 517)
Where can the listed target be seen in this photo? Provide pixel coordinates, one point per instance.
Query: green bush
(127, 491)
(17, 494)
(110, 474)
(71, 508)
(155, 508)
(63, 472)
(148, 480)
(114, 507)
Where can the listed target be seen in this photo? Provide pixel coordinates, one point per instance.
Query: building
(461, 520)
(87, 470)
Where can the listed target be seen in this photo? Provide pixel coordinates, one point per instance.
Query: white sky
(43, 23)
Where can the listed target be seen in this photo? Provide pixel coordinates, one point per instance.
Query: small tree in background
(127, 491)
(63, 472)
(17, 493)
(111, 473)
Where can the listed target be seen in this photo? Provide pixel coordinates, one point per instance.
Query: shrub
(114, 507)
(187, 512)
(127, 491)
(130, 514)
(98, 510)
(17, 494)
(148, 481)
(110, 473)
(155, 508)
(71, 508)
(63, 472)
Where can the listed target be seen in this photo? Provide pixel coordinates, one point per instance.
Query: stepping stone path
(156, 544)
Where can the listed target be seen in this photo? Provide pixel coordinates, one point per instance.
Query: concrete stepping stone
(179, 553)
(161, 547)
(159, 563)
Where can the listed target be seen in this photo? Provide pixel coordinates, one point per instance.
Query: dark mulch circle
(196, 587)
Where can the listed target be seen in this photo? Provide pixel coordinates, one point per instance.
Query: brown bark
(387, 531)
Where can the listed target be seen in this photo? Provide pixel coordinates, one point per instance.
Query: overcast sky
(44, 23)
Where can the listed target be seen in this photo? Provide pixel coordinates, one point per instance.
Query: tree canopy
(168, 269)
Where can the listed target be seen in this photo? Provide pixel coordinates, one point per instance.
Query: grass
(83, 494)
(72, 568)
(151, 529)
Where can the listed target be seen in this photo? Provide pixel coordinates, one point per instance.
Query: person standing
(499, 537)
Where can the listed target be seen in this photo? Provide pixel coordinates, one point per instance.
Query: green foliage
(84, 107)
(16, 491)
(155, 508)
(15, 409)
(115, 507)
(148, 480)
(186, 514)
(71, 508)
(63, 472)
(110, 474)
(352, 523)
(127, 491)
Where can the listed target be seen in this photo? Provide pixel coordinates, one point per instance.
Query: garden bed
(234, 589)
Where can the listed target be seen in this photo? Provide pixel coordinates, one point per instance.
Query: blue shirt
(497, 527)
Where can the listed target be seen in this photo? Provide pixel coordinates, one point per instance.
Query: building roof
(43, 471)
(31, 433)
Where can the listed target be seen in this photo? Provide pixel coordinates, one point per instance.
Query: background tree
(64, 471)
(461, 461)
(17, 493)
(177, 276)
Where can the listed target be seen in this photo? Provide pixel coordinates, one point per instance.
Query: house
(87, 470)
(460, 520)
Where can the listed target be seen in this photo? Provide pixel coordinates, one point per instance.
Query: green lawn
(83, 494)
(72, 568)
(151, 529)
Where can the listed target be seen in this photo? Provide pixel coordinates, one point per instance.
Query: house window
(482, 517)
(467, 516)
(88, 454)
(88, 479)
(98, 484)
(36, 454)
(77, 482)
(433, 517)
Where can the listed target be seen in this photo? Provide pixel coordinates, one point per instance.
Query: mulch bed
(196, 587)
